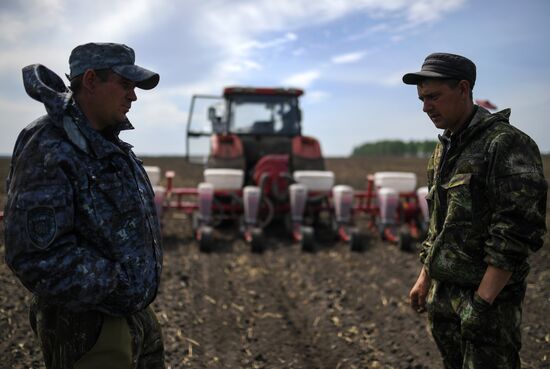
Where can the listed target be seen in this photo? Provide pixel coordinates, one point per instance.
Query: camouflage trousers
(472, 334)
(92, 339)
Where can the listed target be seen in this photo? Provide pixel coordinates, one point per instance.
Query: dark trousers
(471, 339)
(92, 339)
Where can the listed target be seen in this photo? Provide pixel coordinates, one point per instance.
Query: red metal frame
(176, 199)
(185, 199)
(262, 91)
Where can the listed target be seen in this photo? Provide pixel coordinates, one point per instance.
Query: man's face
(114, 99)
(446, 106)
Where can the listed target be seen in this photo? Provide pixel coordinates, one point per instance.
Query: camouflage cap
(117, 57)
(444, 65)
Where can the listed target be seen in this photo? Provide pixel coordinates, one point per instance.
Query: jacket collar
(46, 86)
(479, 121)
(100, 144)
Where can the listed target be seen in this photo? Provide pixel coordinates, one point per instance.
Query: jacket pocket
(110, 194)
(452, 260)
(110, 190)
(459, 198)
(115, 207)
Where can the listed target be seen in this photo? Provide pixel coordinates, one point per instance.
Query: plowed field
(285, 308)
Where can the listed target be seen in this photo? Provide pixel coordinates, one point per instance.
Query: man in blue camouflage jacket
(487, 203)
(80, 222)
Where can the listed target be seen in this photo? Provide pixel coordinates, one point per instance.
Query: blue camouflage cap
(117, 57)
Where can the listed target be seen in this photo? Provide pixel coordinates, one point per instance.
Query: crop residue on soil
(286, 308)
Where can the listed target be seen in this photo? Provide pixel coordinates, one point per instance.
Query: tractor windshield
(264, 115)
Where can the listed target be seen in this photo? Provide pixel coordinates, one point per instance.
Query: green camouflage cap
(444, 65)
(117, 57)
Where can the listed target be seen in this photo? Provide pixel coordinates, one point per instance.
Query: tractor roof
(238, 90)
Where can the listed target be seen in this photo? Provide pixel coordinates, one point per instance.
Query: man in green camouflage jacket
(487, 203)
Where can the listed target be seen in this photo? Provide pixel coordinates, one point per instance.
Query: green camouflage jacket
(487, 201)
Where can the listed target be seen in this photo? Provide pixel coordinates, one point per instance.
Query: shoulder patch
(41, 226)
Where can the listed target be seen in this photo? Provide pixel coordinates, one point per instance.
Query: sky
(348, 56)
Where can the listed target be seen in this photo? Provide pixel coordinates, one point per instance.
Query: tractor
(259, 168)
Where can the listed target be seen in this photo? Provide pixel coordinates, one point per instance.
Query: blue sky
(349, 56)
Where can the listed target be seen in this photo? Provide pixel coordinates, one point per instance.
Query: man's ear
(464, 87)
(89, 80)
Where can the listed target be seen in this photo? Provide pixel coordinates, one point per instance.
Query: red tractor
(259, 168)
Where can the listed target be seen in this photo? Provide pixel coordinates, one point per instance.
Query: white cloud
(42, 20)
(370, 31)
(145, 113)
(392, 79)
(377, 77)
(228, 41)
(233, 27)
(20, 21)
(424, 11)
(299, 51)
(240, 66)
(304, 79)
(348, 58)
(397, 38)
(16, 114)
(398, 18)
(289, 37)
(120, 20)
(316, 96)
(45, 31)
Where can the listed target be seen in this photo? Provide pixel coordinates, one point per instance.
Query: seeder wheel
(405, 240)
(358, 241)
(257, 242)
(308, 239)
(195, 222)
(205, 237)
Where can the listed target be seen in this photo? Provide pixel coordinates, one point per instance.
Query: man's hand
(492, 283)
(419, 292)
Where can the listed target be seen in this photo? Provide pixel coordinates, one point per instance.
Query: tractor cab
(262, 112)
(248, 126)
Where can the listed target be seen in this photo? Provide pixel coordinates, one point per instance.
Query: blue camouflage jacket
(80, 222)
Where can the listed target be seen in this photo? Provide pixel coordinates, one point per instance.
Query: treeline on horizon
(395, 148)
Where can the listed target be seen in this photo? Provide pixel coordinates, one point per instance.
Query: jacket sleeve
(42, 246)
(431, 232)
(517, 191)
